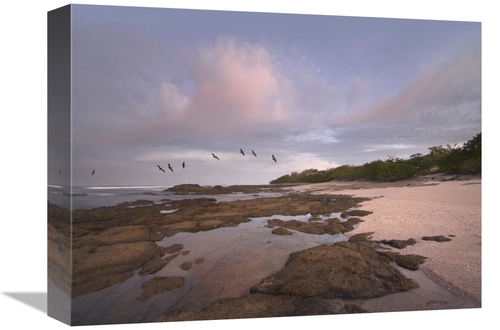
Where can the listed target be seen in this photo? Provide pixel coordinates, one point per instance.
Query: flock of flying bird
(184, 163)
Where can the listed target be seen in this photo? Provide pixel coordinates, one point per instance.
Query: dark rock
(186, 265)
(355, 213)
(199, 261)
(411, 261)
(159, 285)
(111, 243)
(218, 189)
(350, 224)
(74, 195)
(152, 266)
(398, 244)
(362, 237)
(173, 248)
(320, 306)
(118, 235)
(390, 255)
(171, 257)
(346, 270)
(297, 225)
(439, 238)
(121, 261)
(248, 306)
(334, 227)
(353, 308)
(140, 202)
(186, 188)
(330, 226)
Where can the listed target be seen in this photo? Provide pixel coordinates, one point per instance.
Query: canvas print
(208, 165)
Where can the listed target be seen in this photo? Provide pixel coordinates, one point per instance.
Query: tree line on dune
(465, 159)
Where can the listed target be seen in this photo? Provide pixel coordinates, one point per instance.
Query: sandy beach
(448, 208)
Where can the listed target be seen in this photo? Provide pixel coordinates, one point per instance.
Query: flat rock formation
(345, 270)
(316, 281)
(329, 226)
(439, 238)
(111, 243)
(185, 189)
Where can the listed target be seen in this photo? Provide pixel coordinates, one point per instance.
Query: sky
(166, 86)
(26, 171)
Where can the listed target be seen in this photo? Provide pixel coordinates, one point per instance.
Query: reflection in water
(234, 259)
(226, 262)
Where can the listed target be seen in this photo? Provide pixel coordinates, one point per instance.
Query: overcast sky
(165, 86)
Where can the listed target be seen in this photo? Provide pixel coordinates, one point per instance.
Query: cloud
(136, 100)
(323, 135)
(236, 81)
(229, 88)
(172, 100)
(440, 91)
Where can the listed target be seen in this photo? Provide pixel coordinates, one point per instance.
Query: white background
(23, 111)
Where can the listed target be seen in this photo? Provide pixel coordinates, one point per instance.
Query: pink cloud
(235, 82)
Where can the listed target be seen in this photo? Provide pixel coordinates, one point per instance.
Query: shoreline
(426, 207)
(448, 208)
(429, 207)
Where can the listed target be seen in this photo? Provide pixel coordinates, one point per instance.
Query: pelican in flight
(170, 167)
(183, 164)
(93, 172)
(159, 167)
(241, 151)
(274, 158)
(253, 152)
(215, 156)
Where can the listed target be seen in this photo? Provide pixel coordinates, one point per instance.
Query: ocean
(97, 196)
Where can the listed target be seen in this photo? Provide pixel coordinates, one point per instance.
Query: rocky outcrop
(397, 243)
(248, 306)
(322, 306)
(347, 270)
(173, 248)
(355, 213)
(111, 243)
(410, 261)
(96, 268)
(329, 226)
(186, 265)
(316, 281)
(152, 266)
(439, 238)
(186, 189)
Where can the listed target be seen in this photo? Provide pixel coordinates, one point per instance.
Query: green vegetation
(449, 160)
